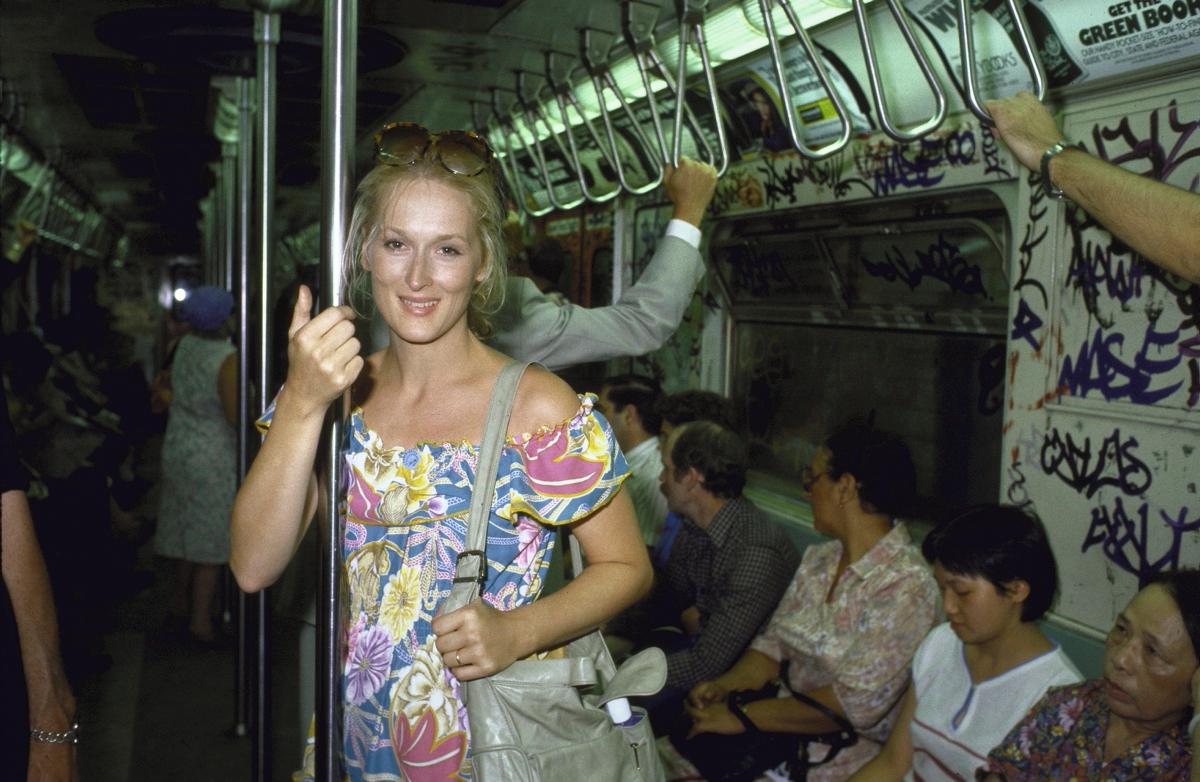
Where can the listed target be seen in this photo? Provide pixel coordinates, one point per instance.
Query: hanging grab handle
(507, 128)
(691, 27)
(483, 126)
(534, 115)
(594, 54)
(814, 59)
(926, 126)
(638, 21)
(966, 42)
(558, 78)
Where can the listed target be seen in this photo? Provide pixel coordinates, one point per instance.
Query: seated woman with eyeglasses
(842, 637)
(977, 675)
(425, 234)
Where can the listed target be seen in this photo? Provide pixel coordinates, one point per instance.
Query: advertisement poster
(755, 107)
(1078, 40)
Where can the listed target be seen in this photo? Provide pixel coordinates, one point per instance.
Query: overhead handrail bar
(966, 43)
(483, 126)
(925, 127)
(638, 21)
(533, 115)
(814, 59)
(559, 84)
(506, 128)
(691, 26)
(594, 54)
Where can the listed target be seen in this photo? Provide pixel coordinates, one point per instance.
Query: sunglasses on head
(405, 143)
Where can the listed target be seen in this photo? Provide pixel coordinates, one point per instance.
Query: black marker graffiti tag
(942, 261)
(1114, 463)
(1125, 541)
(1017, 493)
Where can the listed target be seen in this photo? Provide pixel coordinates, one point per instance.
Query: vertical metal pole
(338, 90)
(266, 37)
(245, 171)
(229, 213)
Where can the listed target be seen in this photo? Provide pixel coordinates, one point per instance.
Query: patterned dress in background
(1065, 732)
(405, 523)
(199, 458)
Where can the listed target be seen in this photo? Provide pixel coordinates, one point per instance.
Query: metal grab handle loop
(966, 42)
(637, 24)
(506, 128)
(533, 115)
(483, 126)
(814, 59)
(560, 88)
(925, 127)
(597, 68)
(691, 25)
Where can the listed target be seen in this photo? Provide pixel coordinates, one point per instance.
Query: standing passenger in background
(629, 402)
(977, 675)
(37, 708)
(532, 327)
(1159, 221)
(842, 638)
(199, 468)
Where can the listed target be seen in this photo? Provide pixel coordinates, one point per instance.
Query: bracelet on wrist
(70, 736)
(1048, 185)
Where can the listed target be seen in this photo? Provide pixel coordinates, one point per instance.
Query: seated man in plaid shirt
(727, 568)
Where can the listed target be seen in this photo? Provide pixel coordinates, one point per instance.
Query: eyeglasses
(405, 143)
(808, 478)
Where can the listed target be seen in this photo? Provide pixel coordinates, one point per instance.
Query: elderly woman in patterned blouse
(845, 631)
(1132, 724)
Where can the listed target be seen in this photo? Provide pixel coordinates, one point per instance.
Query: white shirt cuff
(682, 229)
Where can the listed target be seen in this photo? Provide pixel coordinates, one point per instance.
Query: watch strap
(1047, 183)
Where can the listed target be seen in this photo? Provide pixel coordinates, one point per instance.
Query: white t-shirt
(956, 723)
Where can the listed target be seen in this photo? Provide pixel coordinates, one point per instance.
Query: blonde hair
(379, 189)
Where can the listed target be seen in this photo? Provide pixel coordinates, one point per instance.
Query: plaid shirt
(734, 573)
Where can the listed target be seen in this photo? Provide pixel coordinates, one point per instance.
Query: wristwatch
(1047, 184)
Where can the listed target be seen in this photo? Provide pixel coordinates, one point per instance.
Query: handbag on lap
(544, 720)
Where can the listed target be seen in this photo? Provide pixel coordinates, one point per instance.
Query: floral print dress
(405, 513)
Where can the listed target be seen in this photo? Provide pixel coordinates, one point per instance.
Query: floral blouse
(1065, 731)
(860, 642)
(405, 512)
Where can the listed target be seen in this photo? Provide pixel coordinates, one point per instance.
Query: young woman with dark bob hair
(977, 674)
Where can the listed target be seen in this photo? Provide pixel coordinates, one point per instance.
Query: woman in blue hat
(199, 458)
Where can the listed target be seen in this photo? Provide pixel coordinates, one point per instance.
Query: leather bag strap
(470, 570)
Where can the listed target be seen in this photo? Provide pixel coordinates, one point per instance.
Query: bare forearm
(274, 504)
(51, 703)
(788, 715)
(1159, 221)
(600, 592)
(752, 670)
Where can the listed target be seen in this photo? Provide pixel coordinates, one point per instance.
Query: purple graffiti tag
(1032, 239)
(1114, 464)
(1097, 367)
(942, 261)
(1163, 162)
(1125, 540)
(758, 273)
(1025, 323)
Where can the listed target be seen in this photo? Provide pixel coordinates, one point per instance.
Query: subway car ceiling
(131, 105)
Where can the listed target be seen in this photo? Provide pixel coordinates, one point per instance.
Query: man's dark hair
(641, 392)
(880, 463)
(1183, 585)
(717, 452)
(1002, 544)
(687, 406)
